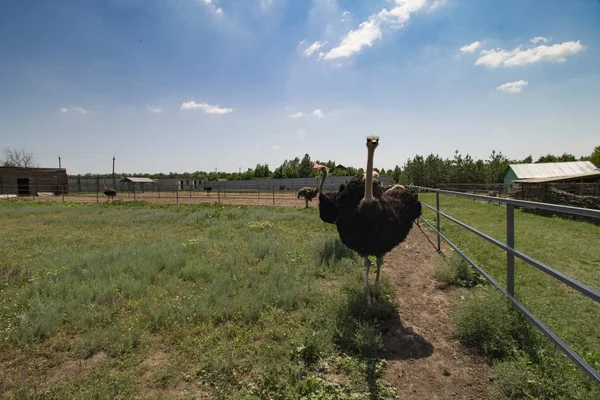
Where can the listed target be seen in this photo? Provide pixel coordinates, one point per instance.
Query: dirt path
(425, 360)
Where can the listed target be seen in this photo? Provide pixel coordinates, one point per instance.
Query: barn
(31, 181)
(554, 172)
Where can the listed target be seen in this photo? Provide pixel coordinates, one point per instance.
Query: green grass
(487, 322)
(207, 301)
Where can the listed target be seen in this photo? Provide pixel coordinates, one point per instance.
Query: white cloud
(470, 48)
(207, 108)
(81, 110)
(355, 40)
(345, 15)
(313, 47)
(154, 109)
(513, 87)
(517, 57)
(537, 39)
(210, 4)
(64, 110)
(318, 113)
(276, 147)
(401, 13)
(436, 4)
(371, 29)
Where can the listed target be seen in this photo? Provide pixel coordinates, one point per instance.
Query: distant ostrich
(309, 193)
(371, 225)
(110, 193)
(328, 207)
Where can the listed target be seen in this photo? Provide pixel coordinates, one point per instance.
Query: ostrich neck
(322, 181)
(369, 177)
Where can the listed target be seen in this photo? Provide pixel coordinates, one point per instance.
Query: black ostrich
(373, 226)
(110, 193)
(328, 202)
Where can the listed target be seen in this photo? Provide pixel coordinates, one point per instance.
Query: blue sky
(184, 85)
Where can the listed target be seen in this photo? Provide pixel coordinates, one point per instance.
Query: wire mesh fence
(172, 194)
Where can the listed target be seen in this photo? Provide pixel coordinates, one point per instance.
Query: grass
(206, 301)
(489, 323)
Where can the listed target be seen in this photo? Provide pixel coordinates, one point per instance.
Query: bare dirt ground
(425, 360)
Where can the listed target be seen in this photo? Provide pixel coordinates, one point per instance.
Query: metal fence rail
(172, 194)
(511, 253)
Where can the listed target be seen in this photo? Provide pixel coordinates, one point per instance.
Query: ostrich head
(372, 143)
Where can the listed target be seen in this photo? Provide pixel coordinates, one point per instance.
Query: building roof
(553, 170)
(565, 178)
(133, 179)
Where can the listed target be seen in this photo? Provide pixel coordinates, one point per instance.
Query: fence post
(437, 222)
(63, 193)
(177, 193)
(97, 190)
(510, 242)
(134, 192)
(218, 194)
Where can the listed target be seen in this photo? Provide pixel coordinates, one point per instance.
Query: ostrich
(309, 193)
(328, 207)
(110, 193)
(373, 226)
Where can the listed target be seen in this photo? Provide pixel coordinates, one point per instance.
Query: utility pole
(59, 164)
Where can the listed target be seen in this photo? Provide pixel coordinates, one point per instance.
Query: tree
(305, 169)
(566, 157)
(18, 158)
(547, 158)
(595, 157)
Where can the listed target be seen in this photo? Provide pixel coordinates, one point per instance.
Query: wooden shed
(31, 181)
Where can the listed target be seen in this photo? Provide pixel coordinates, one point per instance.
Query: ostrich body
(110, 193)
(309, 193)
(373, 226)
(354, 190)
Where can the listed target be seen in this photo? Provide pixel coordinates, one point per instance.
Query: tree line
(431, 170)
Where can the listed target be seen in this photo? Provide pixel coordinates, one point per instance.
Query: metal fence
(172, 194)
(511, 253)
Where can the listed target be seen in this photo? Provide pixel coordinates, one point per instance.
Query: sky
(186, 85)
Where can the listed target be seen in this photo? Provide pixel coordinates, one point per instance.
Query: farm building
(582, 171)
(31, 181)
(137, 184)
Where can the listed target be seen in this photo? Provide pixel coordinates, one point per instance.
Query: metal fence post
(177, 194)
(437, 222)
(134, 192)
(97, 190)
(510, 242)
(273, 196)
(218, 194)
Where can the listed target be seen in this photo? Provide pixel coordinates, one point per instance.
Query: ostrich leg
(376, 288)
(367, 288)
(306, 201)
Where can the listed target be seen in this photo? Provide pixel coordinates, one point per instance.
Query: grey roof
(137, 180)
(560, 178)
(553, 170)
